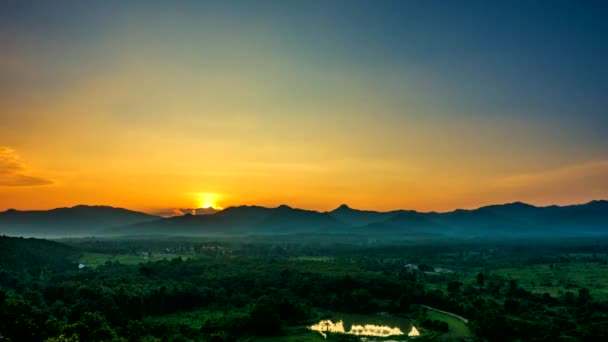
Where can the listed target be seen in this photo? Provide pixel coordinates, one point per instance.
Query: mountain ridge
(77, 220)
(497, 219)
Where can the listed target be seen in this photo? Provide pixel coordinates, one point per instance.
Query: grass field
(193, 319)
(297, 334)
(96, 259)
(311, 258)
(458, 329)
(560, 278)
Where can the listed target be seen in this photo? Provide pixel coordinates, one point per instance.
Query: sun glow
(209, 200)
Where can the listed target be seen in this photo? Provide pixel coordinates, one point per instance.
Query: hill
(495, 221)
(355, 217)
(79, 220)
(35, 255)
(236, 220)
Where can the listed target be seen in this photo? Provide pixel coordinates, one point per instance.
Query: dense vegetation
(245, 289)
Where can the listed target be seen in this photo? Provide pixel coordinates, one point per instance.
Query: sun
(209, 200)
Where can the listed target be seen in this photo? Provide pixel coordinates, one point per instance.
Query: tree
(264, 320)
(568, 298)
(584, 296)
(93, 327)
(62, 338)
(360, 299)
(511, 306)
(426, 268)
(480, 279)
(454, 287)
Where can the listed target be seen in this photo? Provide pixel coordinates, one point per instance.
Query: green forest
(257, 289)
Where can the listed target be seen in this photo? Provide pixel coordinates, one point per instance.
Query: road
(447, 313)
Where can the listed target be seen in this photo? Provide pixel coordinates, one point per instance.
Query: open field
(295, 334)
(457, 328)
(312, 258)
(556, 279)
(96, 259)
(193, 319)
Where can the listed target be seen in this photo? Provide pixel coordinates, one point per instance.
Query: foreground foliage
(228, 290)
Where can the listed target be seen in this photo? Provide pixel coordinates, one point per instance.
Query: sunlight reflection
(363, 330)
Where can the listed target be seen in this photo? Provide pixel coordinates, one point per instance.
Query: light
(209, 200)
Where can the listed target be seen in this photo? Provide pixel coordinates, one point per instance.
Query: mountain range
(503, 220)
(74, 221)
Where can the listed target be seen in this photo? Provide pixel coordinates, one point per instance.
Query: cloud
(184, 211)
(13, 171)
(177, 212)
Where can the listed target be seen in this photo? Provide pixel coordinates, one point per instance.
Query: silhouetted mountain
(354, 217)
(512, 219)
(229, 220)
(244, 215)
(285, 219)
(522, 218)
(408, 224)
(584, 216)
(78, 220)
(242, 219)
(479, 221)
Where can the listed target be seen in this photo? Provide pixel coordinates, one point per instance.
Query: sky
(426, 105)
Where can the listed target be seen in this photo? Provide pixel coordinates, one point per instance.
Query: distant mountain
(584, 216)
(79, 220)
(243, 215)
(229, 220)
(479, 221)
(242, 220)
(409, 222)
(495, 221)
(355, 217)
(521, 218)
(285, 219)
(503, 220)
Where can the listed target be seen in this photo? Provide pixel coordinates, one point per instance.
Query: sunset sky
(427, 105)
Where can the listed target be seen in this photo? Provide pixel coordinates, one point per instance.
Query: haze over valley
(511, 220)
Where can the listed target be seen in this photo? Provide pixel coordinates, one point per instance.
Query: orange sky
(156, 182)
(149, 109)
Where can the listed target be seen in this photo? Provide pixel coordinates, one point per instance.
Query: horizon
(214, 211)
(424, 105)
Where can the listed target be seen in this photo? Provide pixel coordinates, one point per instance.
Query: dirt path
(447, 313)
